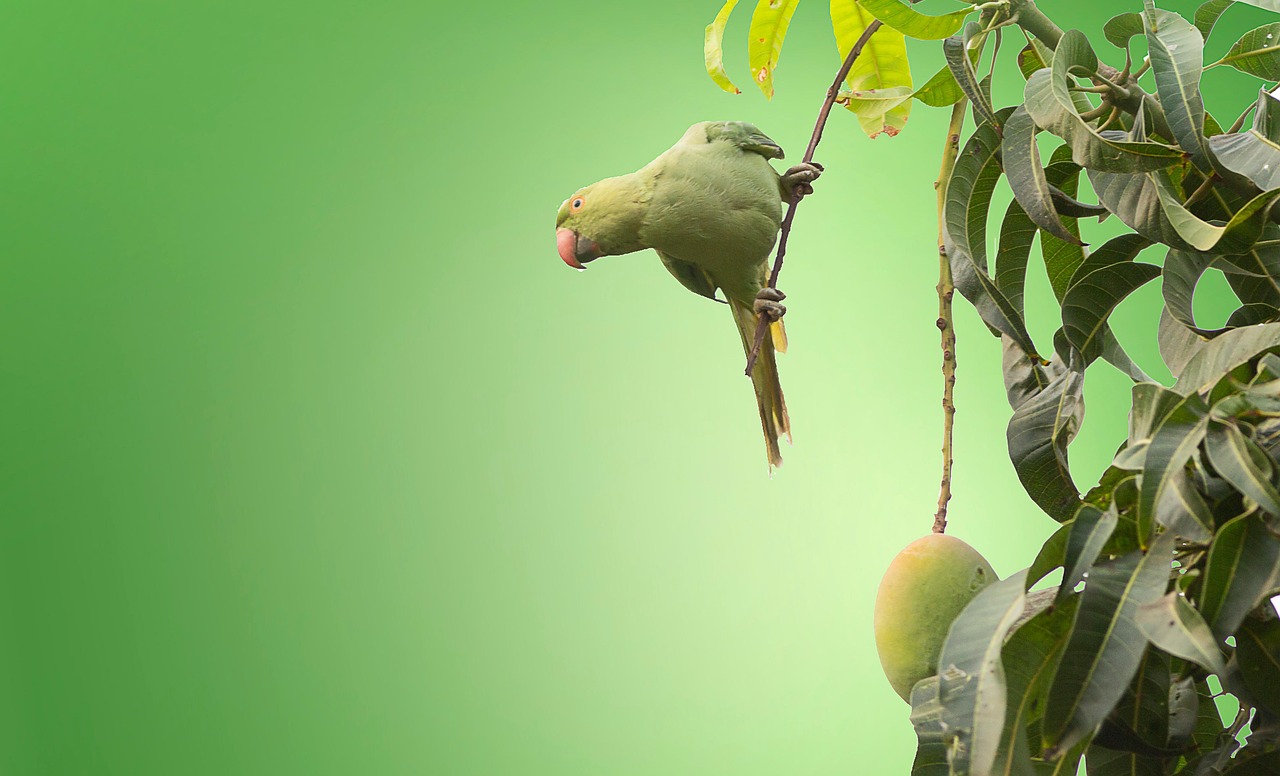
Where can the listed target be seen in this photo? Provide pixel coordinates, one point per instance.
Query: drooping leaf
(1030, 657)
(1174, 626)
(1258, 653)
(1068, 205)
(1106, 644)
(1237, 236)
(768, 30)
(1090, 530)
(912, 23)
(1176, 50)
(1174, 439)
(1182, 272)
(1025, 376)
(1053, 553)
(713, 50)
(1242, 463)
(1138, 728)
(968, 200)
(1242, 562)
(956, 50)
(1266, 5)
(1062, 257)
(1026, 176)
(1177, 343)
(941, 90)
(1265, 764)
(1017, 233)
(1226, 352)
(971, 674)
(1091, 299)
(1030, 60)
(1256, 53)
(882, 65)
(1038, 435)
(926, 718)
(1208, 13)
(1120, 28)
(1255, 153)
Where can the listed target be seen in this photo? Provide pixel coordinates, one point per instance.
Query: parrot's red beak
(575, 249)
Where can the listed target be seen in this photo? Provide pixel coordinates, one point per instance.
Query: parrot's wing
(746, 136)
(691, 276)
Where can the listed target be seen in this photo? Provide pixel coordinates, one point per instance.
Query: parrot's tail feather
(773, 407)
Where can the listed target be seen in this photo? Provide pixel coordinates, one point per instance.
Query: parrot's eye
(576, 204)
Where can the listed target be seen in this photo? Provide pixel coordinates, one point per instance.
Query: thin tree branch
(762, 321)
(946, 325)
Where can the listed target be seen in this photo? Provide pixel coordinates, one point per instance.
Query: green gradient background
(316, 459)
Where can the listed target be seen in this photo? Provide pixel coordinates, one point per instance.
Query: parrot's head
(602, 219)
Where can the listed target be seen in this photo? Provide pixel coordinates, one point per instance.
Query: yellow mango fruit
(922, 592)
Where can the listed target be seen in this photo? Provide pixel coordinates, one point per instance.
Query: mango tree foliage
(1166, 568)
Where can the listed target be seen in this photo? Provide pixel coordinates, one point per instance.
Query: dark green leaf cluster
(1169, 564)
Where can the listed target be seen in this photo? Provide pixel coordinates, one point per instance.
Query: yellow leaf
(713, 51)
(881, 65)
(768, 29)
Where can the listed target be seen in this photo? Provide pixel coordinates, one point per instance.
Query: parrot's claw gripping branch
(799, 181)
(767, 304)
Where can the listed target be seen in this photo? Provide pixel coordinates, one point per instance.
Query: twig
(762, 321)
(946, 290)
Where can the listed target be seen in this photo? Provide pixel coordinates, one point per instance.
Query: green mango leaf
(1265, 764)
(1053, 553)
(1029, 61)
(1174, 439)
(940, 91)
(1175, 626)
(1091, 299)
(1240, 233)
(1225, 353)
(1119, 29)
(1050, 104)
(1139, 722)
(926, 718)
(1025, 376)
(1253, 314)
(1106, 644)
(1178, 344)
(968, 200)
(1258, 654)
(1242, 563)
(1182, 272)
(1115, 355)
(1026, 176)
(882, 65)
(1038, 435)
(1242, 463)
(1017, 233)
(768, 30)
(1208, 13)
(1266, 5)
(912, 23)
(1256, 53)
(1030, 657)
(971, 674)
(713, 51)
(1255, 154)
(1062, 257)
(956, 50)
(1184, 709)
(1090, 530)
(1176, 51)
(1068, 205)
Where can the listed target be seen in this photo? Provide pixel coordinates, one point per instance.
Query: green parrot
(711, 206)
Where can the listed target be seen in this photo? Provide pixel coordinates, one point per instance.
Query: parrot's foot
(798, 181)
(767, 304)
